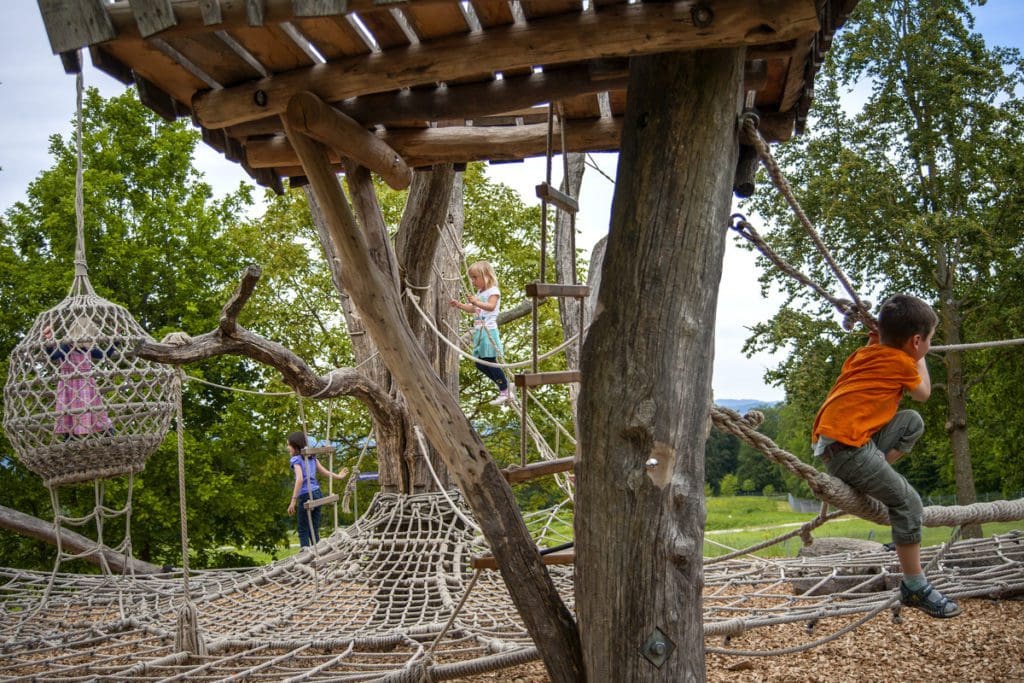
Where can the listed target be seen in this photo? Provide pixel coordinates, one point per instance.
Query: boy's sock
(914, 582)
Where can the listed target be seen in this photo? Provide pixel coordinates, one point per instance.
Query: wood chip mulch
(984, 644)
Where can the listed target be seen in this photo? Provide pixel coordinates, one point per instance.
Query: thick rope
(748, 124)
(835, 492)
(851, 313)
(187, 636)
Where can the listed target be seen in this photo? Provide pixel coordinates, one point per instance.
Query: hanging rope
(187, 636)
(748, 125)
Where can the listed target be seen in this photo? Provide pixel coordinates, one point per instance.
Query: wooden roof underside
(437, 80)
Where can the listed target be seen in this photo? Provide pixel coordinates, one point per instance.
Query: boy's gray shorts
(866, 470)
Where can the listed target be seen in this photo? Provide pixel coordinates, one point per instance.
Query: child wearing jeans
(484, 307)
(859, 432)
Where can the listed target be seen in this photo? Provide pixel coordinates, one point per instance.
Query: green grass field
(742, 521)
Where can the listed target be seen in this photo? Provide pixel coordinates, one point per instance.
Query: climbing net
(393, 598)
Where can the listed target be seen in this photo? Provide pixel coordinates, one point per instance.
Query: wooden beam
(319, 8)
(429, 146)
(539, 379)
(312, 116)
(554, 196)
(225, 15)
(538, 602)
(542, 290)
(153, 16)
(469, 101)
(71, 25)
(514, 475)
(620, 30)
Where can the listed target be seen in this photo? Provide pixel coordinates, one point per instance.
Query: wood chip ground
(984, 644)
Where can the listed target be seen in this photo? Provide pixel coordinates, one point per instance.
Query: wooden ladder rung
(542, 290)
(539, 379)
(537, 469)
(567, 556)
(319, 450)
(558, 198)
(320, 502)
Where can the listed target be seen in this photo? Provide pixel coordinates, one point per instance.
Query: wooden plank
(319, 8)
(560, 557)
(543, 290)
(541, 379)
(215, 57)
(436, 21)
(615, 31)
(579, 107)
(492, 12)
(210, 11)
(471, 101)
(534, 470)
(272, 48)
(153, 16)
(71, 25)
(319, 450)
(384, 29)
(454, 145)
(320, 502)
(158, 100)
(533, 9)
(314, 117)
(157, 67)
(255, 12)
(555, 196)
(333, 37)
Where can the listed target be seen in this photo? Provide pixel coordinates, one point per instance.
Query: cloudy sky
(37, 99)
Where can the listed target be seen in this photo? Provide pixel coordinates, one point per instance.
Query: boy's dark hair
(901, 316)
(297, 440)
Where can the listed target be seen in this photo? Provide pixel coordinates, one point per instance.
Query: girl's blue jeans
(308, 535)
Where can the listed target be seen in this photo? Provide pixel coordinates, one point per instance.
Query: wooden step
(539, 379)
(319, 450)
(537, 469)
(543, 290)
(558, 198)
(320, 502)
(567, 556)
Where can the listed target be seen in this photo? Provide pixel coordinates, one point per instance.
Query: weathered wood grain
(624, 30)
(348, 138)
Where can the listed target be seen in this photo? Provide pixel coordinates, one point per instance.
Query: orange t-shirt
(866, 395)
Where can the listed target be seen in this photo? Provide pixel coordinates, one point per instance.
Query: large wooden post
(647, 372)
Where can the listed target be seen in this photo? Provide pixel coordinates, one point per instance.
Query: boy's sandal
(929, 601)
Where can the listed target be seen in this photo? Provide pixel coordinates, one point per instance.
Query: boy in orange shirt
(860, 431)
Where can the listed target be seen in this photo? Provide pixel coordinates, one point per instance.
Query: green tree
(917, 193)
(729, 485)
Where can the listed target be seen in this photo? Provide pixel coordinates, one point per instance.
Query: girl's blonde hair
(485, 270)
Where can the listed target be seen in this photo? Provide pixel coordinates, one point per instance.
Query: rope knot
(754, 418)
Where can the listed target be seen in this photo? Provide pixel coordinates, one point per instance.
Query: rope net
(370, 604)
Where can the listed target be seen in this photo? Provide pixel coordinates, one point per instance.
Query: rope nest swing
(79, 405)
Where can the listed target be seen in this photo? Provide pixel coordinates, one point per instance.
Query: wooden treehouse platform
(434, 80)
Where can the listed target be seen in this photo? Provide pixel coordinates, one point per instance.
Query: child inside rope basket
(859, 432)
(79, 404)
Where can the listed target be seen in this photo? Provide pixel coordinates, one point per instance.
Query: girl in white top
(484, 308)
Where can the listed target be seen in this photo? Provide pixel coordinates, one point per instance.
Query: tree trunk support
(646, 368)
(544, 614)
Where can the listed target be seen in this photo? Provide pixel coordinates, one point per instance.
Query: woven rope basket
(78, 404)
